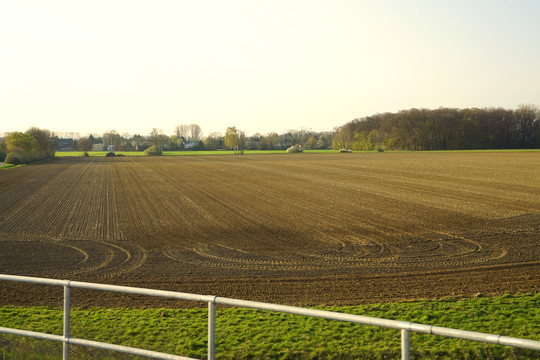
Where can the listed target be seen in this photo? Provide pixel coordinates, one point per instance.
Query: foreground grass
(8, 166)
(251, 334)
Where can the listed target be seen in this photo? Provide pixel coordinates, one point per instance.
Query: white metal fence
(404, 326)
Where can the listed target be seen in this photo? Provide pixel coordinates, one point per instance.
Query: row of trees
(236, 140)
(443, 129)
(189, 137)
(33, 145)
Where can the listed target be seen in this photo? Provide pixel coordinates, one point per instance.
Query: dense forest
(443, 129)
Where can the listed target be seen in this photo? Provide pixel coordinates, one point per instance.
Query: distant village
(189, 139)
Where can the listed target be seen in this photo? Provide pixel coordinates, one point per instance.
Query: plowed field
(303, 229)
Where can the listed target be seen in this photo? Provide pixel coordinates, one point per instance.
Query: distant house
(97, 147)
(190, 144)
(65, 145)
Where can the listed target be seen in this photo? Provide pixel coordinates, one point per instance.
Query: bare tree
(191, 132)
(195, 132)
(138, 140)
(343, 137)
(156, 138)
(526, 121)
(111, 138)
(181, 131)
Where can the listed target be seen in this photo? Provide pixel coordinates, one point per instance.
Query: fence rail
(404, 326)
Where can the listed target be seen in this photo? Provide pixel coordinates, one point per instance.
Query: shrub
(295, 149)
(14, 159)
(153, 151)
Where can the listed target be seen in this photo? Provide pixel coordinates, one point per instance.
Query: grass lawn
(189, 153)
(263, 152)
(252, 334)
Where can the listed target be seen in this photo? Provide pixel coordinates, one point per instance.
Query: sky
(262, 66)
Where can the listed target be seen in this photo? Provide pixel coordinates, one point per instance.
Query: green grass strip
(266, 152)
(252, 334)
(191, 153)
(9, 166)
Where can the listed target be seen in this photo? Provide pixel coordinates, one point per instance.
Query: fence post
(211, 330)
(405, 345)
(67, 299)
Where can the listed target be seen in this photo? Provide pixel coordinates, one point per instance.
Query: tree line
(443, 129)
(414, 129)
(189, 137)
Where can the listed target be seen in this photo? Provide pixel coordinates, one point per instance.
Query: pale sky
(262, 66)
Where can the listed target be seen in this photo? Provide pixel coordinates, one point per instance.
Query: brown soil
(296, 229)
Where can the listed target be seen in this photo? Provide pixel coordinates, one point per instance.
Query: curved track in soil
(299, 229)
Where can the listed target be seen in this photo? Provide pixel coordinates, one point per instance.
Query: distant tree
(154, 138)
(191, 132)
(241, 140)
(85, 144)
(137, 140)
(157, 140)
(174, 143)
(375, 140)
(500, 128)
(252, 142)
(537, 135)
(343, 137)
(268, 141)
(163, 141)
(179, 143)
(46, 140)
(324, 141)
(181, 131)
(125, 142)
(3, 150)
(213, 141)
(526, 120)
(358, 143)
(195, 132)
(69, 135)
(111, 138)
(303, 135)
(233, 139)
(469, 133)
(311, 144)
